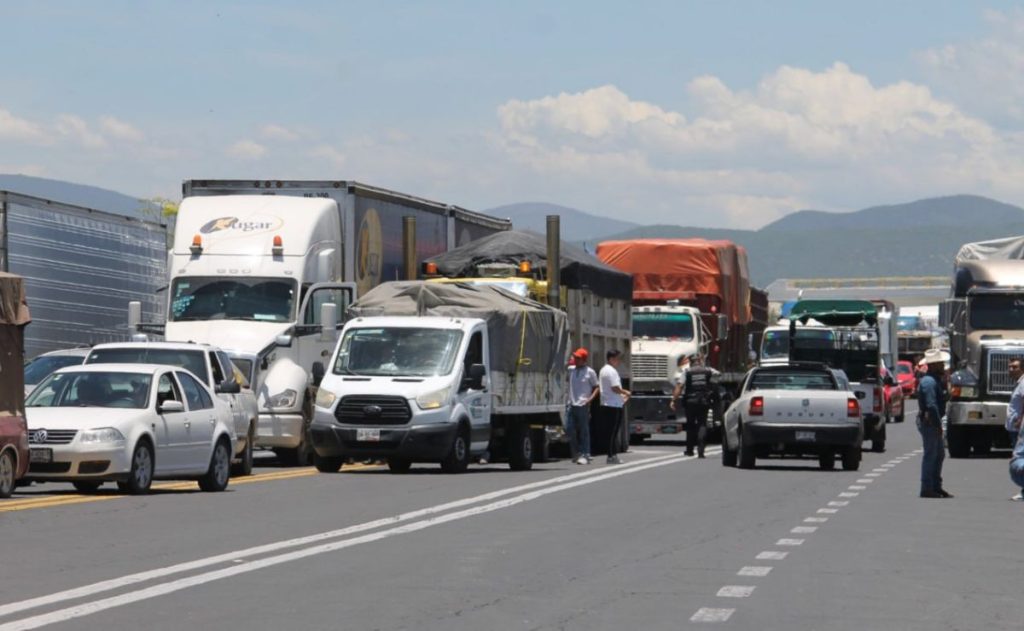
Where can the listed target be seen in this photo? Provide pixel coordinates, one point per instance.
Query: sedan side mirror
(228, 387)
(171, 407)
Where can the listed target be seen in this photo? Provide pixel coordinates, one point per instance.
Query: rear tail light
(878, 400)
(852, 408)
(757, 406)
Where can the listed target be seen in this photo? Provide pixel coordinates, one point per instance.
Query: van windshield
(663, 326)
(397, 352)
(234, 298)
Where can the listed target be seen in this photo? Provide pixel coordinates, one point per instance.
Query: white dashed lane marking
(709, 614)
(849, 494)
(736, 591)
(828, 511)
(789, 542)
(865, 481)
(771, 555)
(839, 504)
(858, 487)
(804, 530)
(815, 520)
(754, 570)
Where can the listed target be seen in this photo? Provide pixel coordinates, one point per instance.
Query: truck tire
(327, 464)
(399, 465)
(878, 440)
(541, 444)
(851, 458)
(827, 460)
(520, 449)
(728, 457)
(958, 442)
(457, 459)
(745, 453)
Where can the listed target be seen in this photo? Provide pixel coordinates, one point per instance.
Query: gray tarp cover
(1006, 248)
(541, 347)
(579, 269)
(13, 318)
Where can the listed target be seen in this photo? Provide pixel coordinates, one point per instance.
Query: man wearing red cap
(583, 387)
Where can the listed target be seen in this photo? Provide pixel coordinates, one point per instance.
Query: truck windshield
(234, 298)
(665, 326)
(776, 343)
(1001, 312)
(397, 352)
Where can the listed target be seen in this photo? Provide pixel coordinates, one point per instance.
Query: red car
(13, 429)
(893, 397)
(13, 452)
(906, 377)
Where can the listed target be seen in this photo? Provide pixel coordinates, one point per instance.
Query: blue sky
(702, 113)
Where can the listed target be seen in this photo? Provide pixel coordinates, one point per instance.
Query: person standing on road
(682, 366)
(697, 395)
(583, 387)
(613, 400)
(1015, 410)
(931, 403)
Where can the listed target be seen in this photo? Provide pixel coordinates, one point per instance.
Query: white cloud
(798, 139)
(75, 128)
(326, 153)
(14, 128)
(986, 74)
(120, 130)
(277, 132)
(246, 150)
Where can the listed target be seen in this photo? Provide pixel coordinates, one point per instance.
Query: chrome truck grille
(999, 380)
(649, 366)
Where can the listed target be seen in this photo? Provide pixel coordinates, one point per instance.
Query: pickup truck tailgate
(805, 406)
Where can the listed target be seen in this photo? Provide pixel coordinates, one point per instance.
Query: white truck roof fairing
(247, 224)
(1006, 248)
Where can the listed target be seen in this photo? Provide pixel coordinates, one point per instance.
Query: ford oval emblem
(806, 402)
(372, 410)
(39, 436)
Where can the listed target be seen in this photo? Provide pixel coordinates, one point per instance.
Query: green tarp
(835, 312)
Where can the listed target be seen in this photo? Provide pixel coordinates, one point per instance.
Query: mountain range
(918, 238)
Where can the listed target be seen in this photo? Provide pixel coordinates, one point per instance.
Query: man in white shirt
(583, 387)
(613, 400)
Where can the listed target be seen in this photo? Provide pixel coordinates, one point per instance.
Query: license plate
(370, 435)
(40, 455)
(805, 437)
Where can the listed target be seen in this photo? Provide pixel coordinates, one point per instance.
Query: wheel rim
(143, 467)
(527, 448)
(460, 448)
(6, 473)
(221, 464)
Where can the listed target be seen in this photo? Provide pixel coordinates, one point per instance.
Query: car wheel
(728, 457)
(244, 465)
(327, 464)
(902, 416)
(457, 459)
(399, 465)
(520, 449)
(87, 486)
(745, 452)
(827, 460)
(851, 458)
(216, 478)
(6, 474)
(878, 442)
(141, 475)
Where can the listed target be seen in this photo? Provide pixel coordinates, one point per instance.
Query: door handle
(187, 425)
(213, 421)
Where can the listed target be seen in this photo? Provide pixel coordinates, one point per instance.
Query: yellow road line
(49, 501)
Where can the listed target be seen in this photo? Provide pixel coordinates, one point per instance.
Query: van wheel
(216, 478)
(244, 465)
(520, 449)
(327, 464)
(745, 452)
(457, 459)
(851, 458)
(827, 460)
(141, 475)
(399, 465)
(6, 474)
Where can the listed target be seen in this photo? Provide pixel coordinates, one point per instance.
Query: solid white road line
(736, 591)
(710, 614)
(754, 570)
(771, 555)
(161, 589)
(235, 556)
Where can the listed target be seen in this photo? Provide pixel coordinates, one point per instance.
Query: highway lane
(652, 548)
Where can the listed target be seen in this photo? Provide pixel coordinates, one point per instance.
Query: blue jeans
(931, 461)
(1017, 466)
(578, 428)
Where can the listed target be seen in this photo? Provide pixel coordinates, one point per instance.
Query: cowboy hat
(934, 356)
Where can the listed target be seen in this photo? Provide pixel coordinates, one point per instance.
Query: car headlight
(284, 399)
(325, 398)
(101, 435)
(433, 400)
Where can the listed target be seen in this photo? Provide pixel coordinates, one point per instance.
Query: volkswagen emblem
(39, 436)
(372, 410)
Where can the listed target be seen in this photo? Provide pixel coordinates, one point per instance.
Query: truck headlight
(285, 399)
(101, 435)
(433, 400)
(325, 398)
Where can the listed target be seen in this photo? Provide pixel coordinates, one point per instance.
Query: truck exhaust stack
(409, 247)
(554, 264)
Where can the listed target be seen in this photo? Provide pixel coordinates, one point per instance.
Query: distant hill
(575, 225)
(77, 194)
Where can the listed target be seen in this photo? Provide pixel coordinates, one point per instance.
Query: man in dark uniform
(697, 397)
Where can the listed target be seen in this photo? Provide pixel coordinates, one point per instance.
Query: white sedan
(128, 423)
(799, 409)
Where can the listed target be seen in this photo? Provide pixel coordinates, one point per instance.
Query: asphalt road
(662, 542)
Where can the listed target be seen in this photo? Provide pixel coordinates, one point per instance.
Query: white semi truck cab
(261, 275)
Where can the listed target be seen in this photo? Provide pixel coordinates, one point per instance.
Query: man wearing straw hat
(931, 403)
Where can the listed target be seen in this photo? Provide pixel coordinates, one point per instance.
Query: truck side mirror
(317, 372)
(723, 328)
(228, 387)
(283, 340)
(328, 322)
